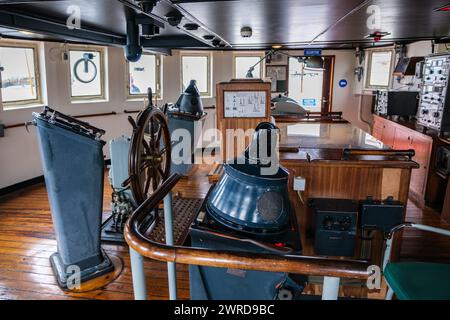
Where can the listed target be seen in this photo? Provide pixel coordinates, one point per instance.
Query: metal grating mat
(184, 211)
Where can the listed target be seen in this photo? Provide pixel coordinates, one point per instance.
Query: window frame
(18, 104)
(260, 55)
(367, 85)
(158, 79)
(208, 93)
(101, 51)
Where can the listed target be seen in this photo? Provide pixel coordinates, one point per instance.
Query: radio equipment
(381, 215)
(396, 103)
(335, 224)
(435, 97)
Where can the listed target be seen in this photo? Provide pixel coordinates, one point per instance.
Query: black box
(443, 160)
(402, 103)
(335, 226)
(381, 215)
(397, 103)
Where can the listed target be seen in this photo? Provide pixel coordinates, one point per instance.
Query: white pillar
(330, 288)
(168, 223)
(138, 275)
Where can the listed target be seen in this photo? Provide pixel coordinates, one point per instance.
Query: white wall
(19, 157)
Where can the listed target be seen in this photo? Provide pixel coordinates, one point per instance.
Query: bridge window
(196, 67)
(87, 74)
(144, 74)
(379, 69)
(243, 63)
(20, 84)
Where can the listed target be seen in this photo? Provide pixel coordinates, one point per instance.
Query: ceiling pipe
(138, 9)
(133, 48)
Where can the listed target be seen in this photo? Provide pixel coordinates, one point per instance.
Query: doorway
(311, 87)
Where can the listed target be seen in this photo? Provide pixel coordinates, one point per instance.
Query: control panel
(396, 103)
(434, 106)
(381, 103)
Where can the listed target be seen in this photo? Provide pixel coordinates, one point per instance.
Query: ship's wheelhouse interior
(225, 150)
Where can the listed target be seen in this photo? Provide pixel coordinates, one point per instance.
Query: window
(379, 69)
(144, 74)
(196, 67)
(87, 74)
(242, 64)
(305, 85)
(20, 75)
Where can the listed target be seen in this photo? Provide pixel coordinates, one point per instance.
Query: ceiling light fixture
(191, 26)
(246, 32)
(25, 32)
(277, 46)
(377, 35)
(443, 8)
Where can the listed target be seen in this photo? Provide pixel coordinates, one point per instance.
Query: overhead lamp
(377, 35)
(25, 32)
(314, 62)
(191, 26)
(277, 46)
(246, 32)
(443, 8)
(174, 18)
(252, 68)
(250, 72)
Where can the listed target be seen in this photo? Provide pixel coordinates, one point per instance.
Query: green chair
(416, 280)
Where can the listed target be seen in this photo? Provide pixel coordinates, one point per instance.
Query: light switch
(299, 183)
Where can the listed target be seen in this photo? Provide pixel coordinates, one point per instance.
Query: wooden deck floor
(27, 240)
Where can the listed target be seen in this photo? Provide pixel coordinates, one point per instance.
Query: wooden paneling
(388, 135)
(230, 147)
(341, 181)
(400, 137)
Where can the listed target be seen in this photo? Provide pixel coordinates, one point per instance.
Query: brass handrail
(231, 259)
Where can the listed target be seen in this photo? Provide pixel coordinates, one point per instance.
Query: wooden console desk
(319, 160)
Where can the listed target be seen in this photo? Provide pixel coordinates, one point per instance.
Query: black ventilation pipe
(133, 49)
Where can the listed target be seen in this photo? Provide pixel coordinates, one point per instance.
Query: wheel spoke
(147, 181)
(145, 165)
(162, 151)
(152, 135)
(146, 146)
(161, 172)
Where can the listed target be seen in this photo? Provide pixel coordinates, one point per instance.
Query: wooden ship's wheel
(150, 152)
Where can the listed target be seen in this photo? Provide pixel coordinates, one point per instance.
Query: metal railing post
(138, 275)
(330, 288)
(168, 222)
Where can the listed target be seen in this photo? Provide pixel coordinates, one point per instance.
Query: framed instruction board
(240, 105)
(245, 104)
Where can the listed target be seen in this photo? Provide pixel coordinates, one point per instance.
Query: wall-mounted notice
(244, 104)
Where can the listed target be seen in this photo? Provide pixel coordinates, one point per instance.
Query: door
(310, 86)
(422, 147)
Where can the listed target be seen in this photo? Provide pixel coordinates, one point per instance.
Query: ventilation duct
(133, 49)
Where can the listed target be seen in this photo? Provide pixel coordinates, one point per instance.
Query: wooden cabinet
(399, 137)
(388, 135)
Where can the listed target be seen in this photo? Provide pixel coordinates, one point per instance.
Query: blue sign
(312, 52)
(342, 83)
(309, 102)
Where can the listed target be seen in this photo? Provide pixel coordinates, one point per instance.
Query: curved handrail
(231, 259)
